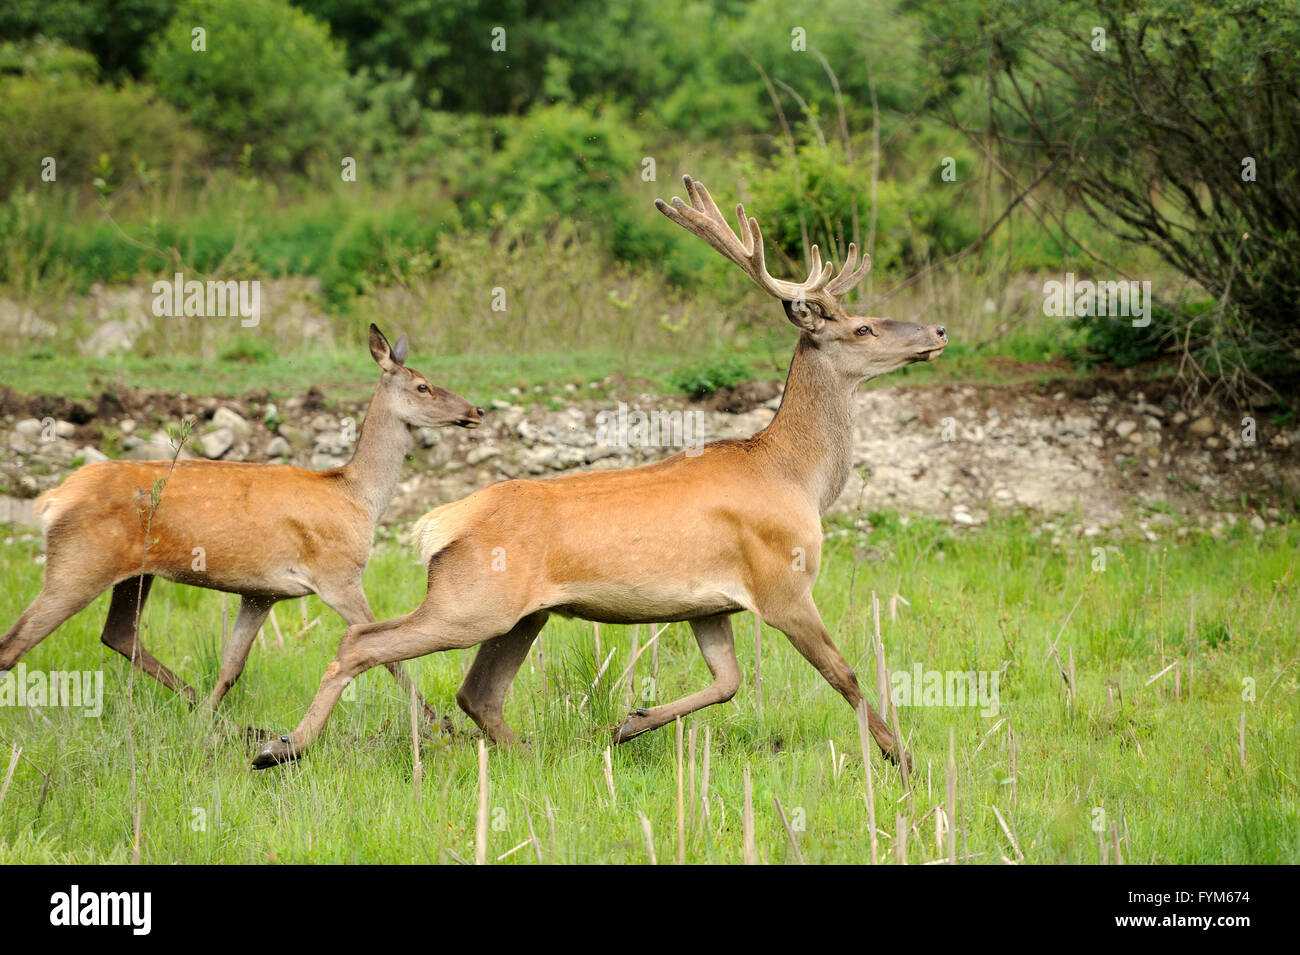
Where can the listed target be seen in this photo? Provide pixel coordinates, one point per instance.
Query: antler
(703, 218)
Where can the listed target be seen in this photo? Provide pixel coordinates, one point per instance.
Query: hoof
(891, 755)
(274, 753)
(631, 728)
(254, 734)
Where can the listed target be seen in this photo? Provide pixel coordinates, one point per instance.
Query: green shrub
(704, 378)
(270, 77)
(51, 105)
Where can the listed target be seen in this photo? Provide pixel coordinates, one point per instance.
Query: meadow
(1198, 765)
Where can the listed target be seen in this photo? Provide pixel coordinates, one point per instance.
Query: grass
(350, 374)
(1167, 769)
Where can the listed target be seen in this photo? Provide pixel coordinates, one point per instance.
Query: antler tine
(702, 216)
(851, 274)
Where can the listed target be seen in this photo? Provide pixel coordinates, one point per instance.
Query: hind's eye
(422, 389)
(864, 330)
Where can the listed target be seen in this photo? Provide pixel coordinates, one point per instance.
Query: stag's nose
(480, 411)
(941, 332)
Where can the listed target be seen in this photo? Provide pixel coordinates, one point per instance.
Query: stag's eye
(864, 330)
(422, 389)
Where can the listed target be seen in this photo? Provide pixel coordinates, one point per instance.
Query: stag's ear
(399, 350)
(380, 350)
(805, 315)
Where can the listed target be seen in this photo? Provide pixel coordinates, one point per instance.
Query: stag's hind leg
(483, 693)
(713, 634)
(122, 634)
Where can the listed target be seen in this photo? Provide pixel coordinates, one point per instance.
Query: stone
(278, 447)
(223, 417)
(29, 428)
(92, 455)
(64, 429)
(295, 435)
(1202, 426)
(216, 443)
(482, 453)
(1125, 428)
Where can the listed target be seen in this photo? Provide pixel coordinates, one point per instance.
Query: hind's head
(415, 399)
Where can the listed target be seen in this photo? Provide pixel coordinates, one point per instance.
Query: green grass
(350, 374)
(1166, 769)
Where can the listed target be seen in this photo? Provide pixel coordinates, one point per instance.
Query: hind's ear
(399, 350)
(380, 350)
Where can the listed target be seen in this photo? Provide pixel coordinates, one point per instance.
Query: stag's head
(412, 397)
(860, 347)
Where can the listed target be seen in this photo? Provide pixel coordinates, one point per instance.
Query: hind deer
(268, 532)
(693, 537)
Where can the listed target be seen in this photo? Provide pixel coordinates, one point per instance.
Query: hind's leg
(120, 633)
(249, 620)
(62, 595)
(349, 602)
(498, 660)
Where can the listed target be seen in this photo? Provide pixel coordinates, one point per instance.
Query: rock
(278, 447)
(1202, 426)
(1211, 442)
(126, 425)
(295, 435)
(111, 338)
(1257, 523)
(323, 422)
(962, 516)
(321, 461)
(1179, 417)
(906, 416)
(224, 418)
(153, 451)
(1125, 428)
(92, 455)
(64, 429)
(427, 437)
(482, 453)
(29, 428)
(216, 443)
(540, 459)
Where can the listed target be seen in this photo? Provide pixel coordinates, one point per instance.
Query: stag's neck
(371, 477)
(811, 438)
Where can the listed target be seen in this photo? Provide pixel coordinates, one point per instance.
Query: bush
(50, 105)
(270, 77)
(702, 379)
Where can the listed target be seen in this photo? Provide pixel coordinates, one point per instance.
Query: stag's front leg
(713, 634)
(801, 622)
